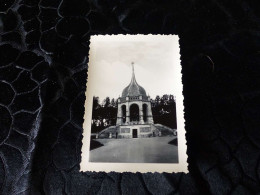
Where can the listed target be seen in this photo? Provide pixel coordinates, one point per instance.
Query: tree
(113, 102)
(164, 112)
(172, 99)
(107, 102)
(162, 101)
(165, 97)
(96, 102)
(157, 100)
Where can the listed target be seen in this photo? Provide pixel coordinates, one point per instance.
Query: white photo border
(85, 165)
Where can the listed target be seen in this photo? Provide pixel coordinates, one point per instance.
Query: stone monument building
(134, 115)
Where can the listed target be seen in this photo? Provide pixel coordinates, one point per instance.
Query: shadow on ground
(174, 142)
(95, 144)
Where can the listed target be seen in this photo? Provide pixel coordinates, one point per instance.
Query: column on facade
(149, 114)
(141, 119)
(119, 115)
(127, 113)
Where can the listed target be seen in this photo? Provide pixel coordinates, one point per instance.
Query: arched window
(145, 112)
(134, 112)
(123, 111)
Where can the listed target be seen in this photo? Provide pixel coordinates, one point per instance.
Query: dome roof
(133, 89)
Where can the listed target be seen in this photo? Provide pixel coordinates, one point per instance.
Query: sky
(156, 63)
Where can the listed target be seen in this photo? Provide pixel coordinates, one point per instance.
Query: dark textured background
(43, 65)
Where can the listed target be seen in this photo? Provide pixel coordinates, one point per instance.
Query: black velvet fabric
(43, 69)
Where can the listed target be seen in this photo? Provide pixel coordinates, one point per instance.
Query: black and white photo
(134, 105)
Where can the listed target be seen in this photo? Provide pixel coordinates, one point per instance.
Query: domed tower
(134, 115)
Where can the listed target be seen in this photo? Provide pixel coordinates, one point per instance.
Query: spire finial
(133, 73)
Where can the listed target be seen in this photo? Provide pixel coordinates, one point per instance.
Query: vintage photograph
(134, 105)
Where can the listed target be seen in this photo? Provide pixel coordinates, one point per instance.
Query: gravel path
(139, 150)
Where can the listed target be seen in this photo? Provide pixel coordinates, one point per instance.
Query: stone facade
(137, 131)
(124, 112)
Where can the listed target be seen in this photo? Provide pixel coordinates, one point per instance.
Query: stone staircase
(165, 131)
(158, 129)
(105, 133)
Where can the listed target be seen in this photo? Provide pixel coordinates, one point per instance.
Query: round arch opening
(134, 112)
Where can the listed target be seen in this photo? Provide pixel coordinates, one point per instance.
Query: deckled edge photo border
(85, 165)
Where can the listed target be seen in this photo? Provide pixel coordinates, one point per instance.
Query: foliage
(164, 111)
